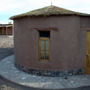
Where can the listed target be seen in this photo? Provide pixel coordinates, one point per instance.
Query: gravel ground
(6, 41)
(6, 46)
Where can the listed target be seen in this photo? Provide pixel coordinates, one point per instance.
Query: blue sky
(9, 8)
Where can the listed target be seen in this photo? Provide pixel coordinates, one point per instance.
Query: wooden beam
(45, 29)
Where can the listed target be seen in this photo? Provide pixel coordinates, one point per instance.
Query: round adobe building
(50, 41)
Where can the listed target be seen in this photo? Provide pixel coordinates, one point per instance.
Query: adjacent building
(6, 29)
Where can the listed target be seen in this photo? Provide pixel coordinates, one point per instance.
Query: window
(44, 45)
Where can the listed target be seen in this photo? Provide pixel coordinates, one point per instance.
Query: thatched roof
(49, 11)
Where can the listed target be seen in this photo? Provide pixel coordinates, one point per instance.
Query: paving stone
(9, 71)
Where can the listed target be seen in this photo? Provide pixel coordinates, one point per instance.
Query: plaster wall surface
(67, 43)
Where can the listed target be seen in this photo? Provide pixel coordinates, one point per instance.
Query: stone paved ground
(9, 71)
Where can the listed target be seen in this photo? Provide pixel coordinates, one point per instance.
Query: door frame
(44, 38)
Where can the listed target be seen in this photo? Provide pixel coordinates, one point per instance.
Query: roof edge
(49, 11)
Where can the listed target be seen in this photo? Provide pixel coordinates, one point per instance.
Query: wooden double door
(44, 49)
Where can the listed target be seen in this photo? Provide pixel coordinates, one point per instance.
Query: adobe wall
(85, 22)
(67, 44)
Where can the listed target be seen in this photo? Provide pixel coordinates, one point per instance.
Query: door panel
(42, 45)
(88, 54)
